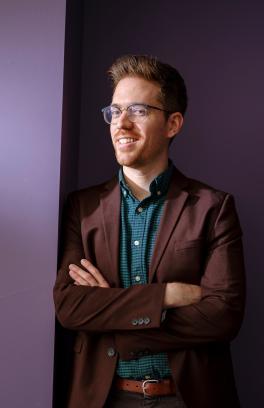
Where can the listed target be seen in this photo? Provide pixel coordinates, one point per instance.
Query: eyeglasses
(136, 112)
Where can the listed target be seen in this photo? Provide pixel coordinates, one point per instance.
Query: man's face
(150, 138)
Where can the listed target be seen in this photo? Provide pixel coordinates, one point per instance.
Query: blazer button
(140, 321)
(146, 320)
(134, 322)
(111, 352)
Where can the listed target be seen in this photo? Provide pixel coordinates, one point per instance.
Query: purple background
(218, 47)
(31, 74)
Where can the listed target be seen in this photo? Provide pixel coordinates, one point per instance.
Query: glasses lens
(137, 112)
(115, 113)
(107, 114)
(111, 114)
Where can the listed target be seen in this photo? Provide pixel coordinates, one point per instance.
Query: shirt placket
(138, 274)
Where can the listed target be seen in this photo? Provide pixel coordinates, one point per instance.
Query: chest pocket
(195, 243)
(183, 261)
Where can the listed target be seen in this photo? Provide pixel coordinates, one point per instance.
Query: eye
(115, 112)
(138, 110)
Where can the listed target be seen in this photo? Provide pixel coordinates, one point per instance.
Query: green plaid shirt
(139, 225)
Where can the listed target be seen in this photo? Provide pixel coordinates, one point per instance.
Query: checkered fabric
(139, 225)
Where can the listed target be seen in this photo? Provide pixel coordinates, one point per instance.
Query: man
(152, 273)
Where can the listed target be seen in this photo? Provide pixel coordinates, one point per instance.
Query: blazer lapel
(173, 206)
(110, 209)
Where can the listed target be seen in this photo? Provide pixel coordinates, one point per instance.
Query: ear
(175, 122)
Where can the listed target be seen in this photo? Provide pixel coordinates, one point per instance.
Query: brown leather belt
(147, 387)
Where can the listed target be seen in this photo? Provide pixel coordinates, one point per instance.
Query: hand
(181, 294)
(91, 278)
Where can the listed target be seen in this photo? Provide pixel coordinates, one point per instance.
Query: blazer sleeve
(96, 309)
(218, 316)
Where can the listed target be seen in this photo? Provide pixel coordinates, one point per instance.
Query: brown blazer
(198, 242)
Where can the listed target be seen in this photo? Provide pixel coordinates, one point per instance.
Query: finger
(81, 276)
(95, 273)
(77, 279)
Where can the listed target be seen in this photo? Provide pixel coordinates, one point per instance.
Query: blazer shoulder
(219, 205)
(199, 189)
(209, 196)
(204, 189)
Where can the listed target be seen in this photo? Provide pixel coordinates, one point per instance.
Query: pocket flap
(178, 245)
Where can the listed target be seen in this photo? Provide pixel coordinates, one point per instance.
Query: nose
(123, 121)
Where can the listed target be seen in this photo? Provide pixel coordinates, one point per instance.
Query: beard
(138, 157)
(132, 155)
(140, 153)
(128, 159)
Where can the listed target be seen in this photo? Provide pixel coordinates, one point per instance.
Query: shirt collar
(158, 187)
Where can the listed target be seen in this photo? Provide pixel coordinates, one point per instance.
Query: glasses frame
(122, 109)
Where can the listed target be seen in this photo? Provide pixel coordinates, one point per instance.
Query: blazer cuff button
(111, 352)
(134, 322)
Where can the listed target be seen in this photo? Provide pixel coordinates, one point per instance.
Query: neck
(139, 179)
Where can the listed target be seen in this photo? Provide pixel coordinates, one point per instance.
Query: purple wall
(218, 47)
(31, 73)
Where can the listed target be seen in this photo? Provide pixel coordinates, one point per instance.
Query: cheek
(156, 135)
(146, 130)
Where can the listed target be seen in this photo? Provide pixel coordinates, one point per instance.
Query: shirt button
(137, 278)
(147, 377)
(111, 352)
(125, 193)
(159, 192)
(146, 320)
(140, 321)
(136, 243)
(140, 209)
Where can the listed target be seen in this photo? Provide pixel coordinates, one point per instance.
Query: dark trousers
(126, 399)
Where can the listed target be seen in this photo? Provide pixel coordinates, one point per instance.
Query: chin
(124, 160)
(133, 163)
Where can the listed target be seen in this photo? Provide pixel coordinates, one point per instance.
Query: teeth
(125, 140)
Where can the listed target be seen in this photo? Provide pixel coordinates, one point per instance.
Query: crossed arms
(211, 312)
(176, 293)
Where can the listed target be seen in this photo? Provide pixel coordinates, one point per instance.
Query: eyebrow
(131, 103)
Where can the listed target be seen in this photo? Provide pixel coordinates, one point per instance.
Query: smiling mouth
(126, 140)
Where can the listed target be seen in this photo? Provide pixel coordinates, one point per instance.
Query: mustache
(125, 133)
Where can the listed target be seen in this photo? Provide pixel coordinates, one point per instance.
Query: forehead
(135, 89)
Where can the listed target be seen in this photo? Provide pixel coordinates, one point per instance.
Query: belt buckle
(144, 384)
